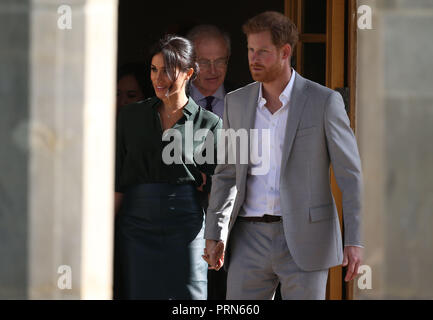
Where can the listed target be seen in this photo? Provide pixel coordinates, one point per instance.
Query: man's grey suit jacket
(318, 134)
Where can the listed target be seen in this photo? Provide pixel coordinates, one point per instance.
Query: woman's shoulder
(212, 118)
(208, 117)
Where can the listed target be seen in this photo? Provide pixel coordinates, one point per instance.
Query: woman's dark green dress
(160, 225)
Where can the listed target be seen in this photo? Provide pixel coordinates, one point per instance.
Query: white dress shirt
(217, 103)
(263, 190)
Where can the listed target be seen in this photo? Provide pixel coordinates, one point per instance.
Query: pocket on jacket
(325, 212)
(305, 131)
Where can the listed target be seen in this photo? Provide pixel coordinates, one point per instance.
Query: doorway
(142, 23)
(325, 53)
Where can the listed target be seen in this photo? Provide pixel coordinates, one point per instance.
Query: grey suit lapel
(251, 107)
(249, 116)
(296, 106)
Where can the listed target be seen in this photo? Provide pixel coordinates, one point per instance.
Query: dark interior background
(141, 23)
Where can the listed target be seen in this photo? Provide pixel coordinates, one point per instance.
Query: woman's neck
(174, 102)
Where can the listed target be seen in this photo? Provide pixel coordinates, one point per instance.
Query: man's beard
(267, 75)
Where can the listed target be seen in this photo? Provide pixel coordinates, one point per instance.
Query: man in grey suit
(282, 226)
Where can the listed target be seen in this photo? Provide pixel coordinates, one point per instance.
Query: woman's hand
(214, 254)
(204, 182)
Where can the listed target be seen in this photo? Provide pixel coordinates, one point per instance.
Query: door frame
(341, 48)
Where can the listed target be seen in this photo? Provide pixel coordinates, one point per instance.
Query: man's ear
(287, 51)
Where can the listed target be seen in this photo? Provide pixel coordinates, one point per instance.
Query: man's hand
(214, 254)
(352, 257)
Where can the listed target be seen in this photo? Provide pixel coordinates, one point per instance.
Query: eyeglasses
(218, 63)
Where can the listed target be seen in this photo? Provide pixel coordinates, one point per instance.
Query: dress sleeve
(209, 168)
(215, 129)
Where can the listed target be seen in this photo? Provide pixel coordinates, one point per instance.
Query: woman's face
(163, 86)
(128, 91)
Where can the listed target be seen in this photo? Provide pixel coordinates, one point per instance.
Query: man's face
(212, 57)
(265, 59)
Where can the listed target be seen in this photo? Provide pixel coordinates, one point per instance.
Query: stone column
(395, 128)
(58, 132)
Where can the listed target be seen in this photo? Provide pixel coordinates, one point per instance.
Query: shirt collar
(220, 93)
(197, 95)
(189, 110)
(284, 96)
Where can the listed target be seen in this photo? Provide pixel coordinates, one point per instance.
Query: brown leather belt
(265, 218)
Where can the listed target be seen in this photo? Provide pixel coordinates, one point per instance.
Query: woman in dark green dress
(160, 223)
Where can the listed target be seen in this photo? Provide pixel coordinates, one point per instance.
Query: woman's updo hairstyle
(178, 53)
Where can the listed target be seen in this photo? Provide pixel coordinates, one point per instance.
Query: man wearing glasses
(212, 47)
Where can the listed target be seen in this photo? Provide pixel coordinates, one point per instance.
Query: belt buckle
(268, 218)
(271, 218)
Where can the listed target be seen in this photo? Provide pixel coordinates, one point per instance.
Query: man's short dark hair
(282, 29)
